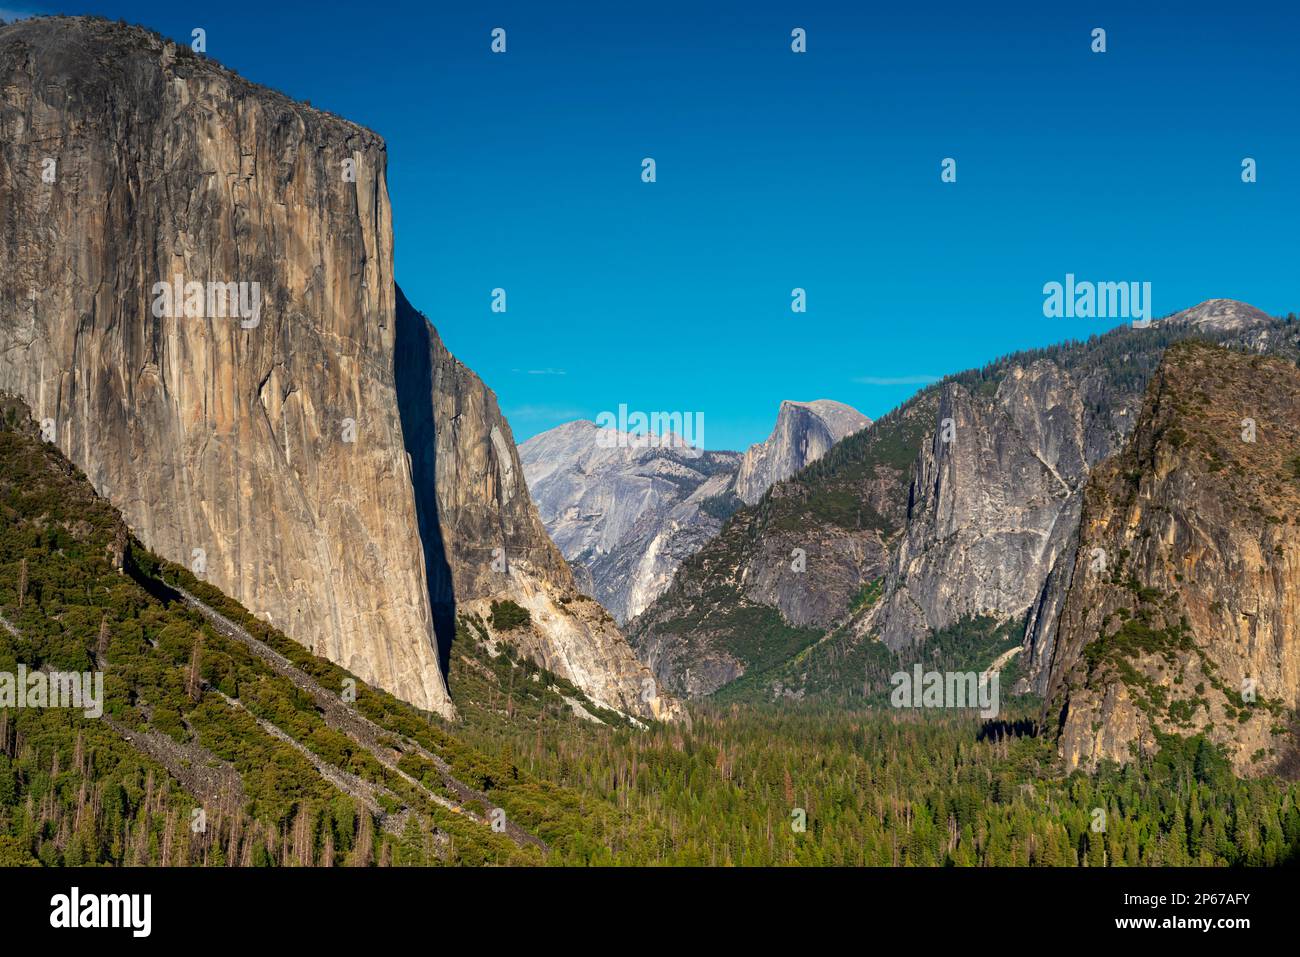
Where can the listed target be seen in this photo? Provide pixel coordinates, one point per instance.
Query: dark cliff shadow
(157, 589)
(413, 371)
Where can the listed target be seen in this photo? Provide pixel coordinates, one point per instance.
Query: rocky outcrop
(125, 161)
(628, 512)
(804, 432)
(1183, 609)
(1226, 321)
(1216, 316)
(483, 538)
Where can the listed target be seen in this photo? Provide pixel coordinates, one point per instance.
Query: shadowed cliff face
(413, 375)
(1183, 611)
(266, 452)
(482, 536)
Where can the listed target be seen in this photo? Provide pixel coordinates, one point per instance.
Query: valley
(329, 613)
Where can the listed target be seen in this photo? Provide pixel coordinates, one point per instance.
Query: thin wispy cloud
(541, 371)
(533, 413)
(897, 380)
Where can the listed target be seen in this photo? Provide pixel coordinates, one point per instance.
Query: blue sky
(778, 170)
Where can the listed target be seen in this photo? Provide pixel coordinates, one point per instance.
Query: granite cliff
(127, 161)
(197, 300)
(1183, 613)
(804, 432)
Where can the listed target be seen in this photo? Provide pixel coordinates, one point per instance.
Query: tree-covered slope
(222, 740)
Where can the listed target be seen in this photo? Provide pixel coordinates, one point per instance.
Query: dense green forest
(203, 728)
(884, 788)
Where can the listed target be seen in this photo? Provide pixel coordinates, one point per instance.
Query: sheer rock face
(994, 500)
(804, 432)
(993, 515)
(279, 450)
(210, 435)
(628, 514)
(1185, 591)
(483, 538)
(1226, 321)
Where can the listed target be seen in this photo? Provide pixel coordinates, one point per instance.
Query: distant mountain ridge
(627, 512)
